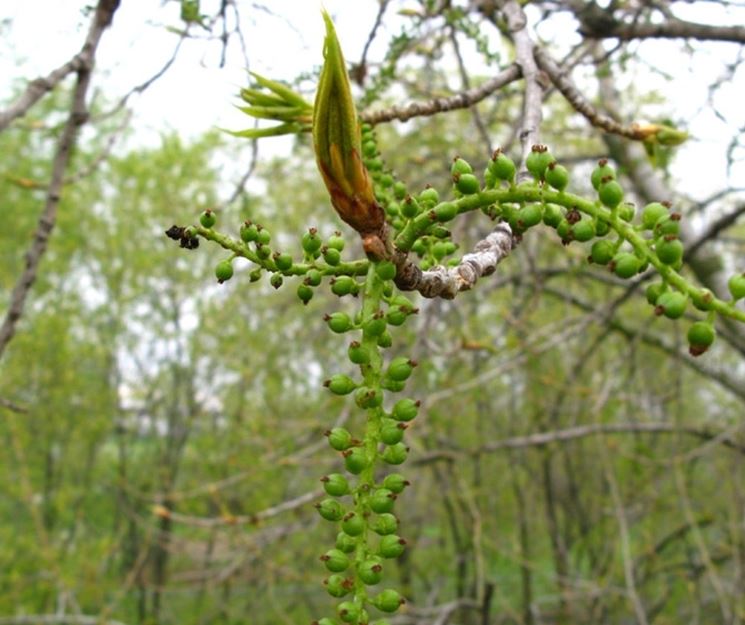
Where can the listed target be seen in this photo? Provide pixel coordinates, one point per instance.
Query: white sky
(196, 95)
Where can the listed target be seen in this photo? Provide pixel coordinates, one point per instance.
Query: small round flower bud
(370, 571)
(395, 454)
(304, 292)
(335, 484)
(386, 270)
(353, 524)
(700, 337)
(330, 509)
(652, 213)
(400, 368)
(385, 524)
(395, 482)
(405, 409)
(340, 384)
(388, 601)
(502, 166)
(224, 271)
(603, 170)
(382, 500)
(610, 193)
(335, 560)
(391, 546)
(669, 251)
(339, 322)
(557, 176)
(736, 286)
(671, 304)
(339, 439)
(467, 184)
(337, 585)
(207, 218)
(356, 460)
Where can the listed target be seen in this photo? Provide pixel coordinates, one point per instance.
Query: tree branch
(77, 117)
(671, 29)
(440, 105)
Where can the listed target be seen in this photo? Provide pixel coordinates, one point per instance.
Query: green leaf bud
(583, 230)
(652, 213)
(557, 176)
(311, 242)
(345, 543)
(552, 215)
(388, 601)
(357, 354)
(392, 431)
(602, 252)
(671, 304)
(249, 232)
(502, 166)
(669, 250)
(339, 322)
(335, 484)
(305, 293)
(446, 211)
(370, 571)
(736, 286)
(335, 560)
(356, 460)
(336, 242)
(224, 271)
(339, 438)
(353, 524)
(337, 585)
(700, 337)
(406, 409)
(391, 546)
(399, 190)
(340, 384)
(654, 291)
(400, 368)
(276, 280)
(344, 285)
(385, 524)
(330, 509)
(625, 264)
(332, 256)
(382, 500)
(386, 270)
(429, 197)
(207, 218)
(460, 167)
(603, 170)
(348, 612)
(467, 184)
(395, 454)
(610, 193)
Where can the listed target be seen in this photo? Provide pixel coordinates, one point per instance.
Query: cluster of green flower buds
(361, 501)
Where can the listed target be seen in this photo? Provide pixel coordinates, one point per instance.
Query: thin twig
(440, 105)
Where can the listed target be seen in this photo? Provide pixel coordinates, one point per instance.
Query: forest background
(163, 434)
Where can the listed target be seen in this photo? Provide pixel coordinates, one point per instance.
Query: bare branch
(724, 222)
(671, 29)
(77, 117)
(6, 403)
(57, 619)
(447, 282)
(517, 23)
(578, 101)
(440, 105)
(541, 439)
